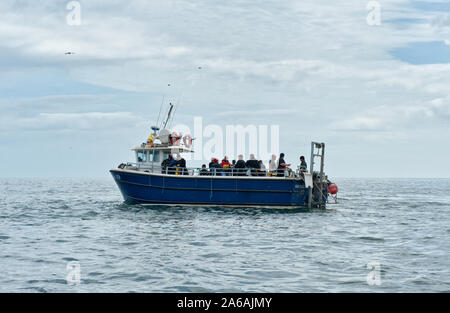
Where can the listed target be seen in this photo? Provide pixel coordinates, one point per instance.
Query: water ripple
(402, 225)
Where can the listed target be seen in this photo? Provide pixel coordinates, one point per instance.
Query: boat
(149, 182)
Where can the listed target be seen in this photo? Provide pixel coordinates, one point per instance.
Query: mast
(168, 115)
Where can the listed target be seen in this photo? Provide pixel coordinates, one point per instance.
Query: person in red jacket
(225, 163)
(226, 166)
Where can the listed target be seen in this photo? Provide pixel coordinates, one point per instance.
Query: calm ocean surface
(403, 224)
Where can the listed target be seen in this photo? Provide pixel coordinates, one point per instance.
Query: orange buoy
(333, 189)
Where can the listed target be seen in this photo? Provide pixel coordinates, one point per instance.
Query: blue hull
(149, 188)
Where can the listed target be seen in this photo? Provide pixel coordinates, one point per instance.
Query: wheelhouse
(151, 157)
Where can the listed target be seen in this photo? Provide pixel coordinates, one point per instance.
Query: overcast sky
(378, 96)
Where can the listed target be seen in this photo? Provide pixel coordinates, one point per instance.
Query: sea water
(77, 235)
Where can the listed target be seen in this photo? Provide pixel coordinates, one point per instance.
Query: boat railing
(195, 171)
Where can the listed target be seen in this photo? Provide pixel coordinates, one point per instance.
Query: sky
(377, 95)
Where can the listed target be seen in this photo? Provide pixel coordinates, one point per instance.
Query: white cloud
(73, 121)
(361, 124)
(313, 67)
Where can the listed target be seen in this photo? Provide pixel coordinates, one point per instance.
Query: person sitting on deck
(233, 163)
(165, 163)
(181, 164)
(273, 165)
(225, 164)
(171, 166)
(282, 165)
(204, 171)
(240, 166)
(262, 168)
(214, 166)
(303, 165)
(252, 164)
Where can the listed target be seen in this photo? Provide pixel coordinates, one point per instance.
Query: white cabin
(151, 156)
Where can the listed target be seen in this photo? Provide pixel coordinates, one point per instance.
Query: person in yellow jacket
(150, 139)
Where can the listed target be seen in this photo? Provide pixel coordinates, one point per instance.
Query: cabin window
(154, 156)
(142, 156)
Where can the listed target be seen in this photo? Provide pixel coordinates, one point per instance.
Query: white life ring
(187, 140)
(174, 138)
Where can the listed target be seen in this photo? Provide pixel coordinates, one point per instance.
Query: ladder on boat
(317, 151)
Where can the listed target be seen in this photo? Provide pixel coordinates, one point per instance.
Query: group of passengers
(253, 167)
(173, 165)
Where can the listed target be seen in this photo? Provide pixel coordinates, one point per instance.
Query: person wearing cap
(214, 166)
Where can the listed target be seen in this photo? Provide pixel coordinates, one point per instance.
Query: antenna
(162, 122)
(160, 109)
(176, 108)
(168, 115)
